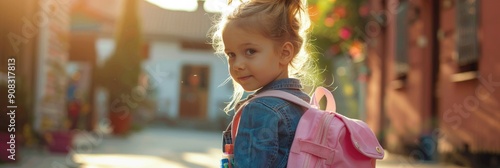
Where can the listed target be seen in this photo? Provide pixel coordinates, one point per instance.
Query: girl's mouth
(244, 78)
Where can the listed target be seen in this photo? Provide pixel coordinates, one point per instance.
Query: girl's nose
(238, 64)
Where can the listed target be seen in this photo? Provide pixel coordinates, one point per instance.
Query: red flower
(345, 33)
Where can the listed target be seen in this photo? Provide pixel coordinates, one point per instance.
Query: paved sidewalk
(399, 161)
(157, 146)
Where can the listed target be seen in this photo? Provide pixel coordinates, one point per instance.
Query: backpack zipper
(321, 136)
(328, 119)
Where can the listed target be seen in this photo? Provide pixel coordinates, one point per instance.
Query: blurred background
(135, 83)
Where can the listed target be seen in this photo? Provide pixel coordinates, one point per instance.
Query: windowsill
(464, 76)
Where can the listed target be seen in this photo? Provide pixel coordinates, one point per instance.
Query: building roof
(192, 26)
(157, 22)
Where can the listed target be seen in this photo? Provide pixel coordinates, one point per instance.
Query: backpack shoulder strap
(315, 98)
(284, 95)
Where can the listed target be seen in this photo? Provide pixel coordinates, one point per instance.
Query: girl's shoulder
(262, 108)
(274, 103)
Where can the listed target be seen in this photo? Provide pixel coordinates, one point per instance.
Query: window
(467, 42)
(402, 66)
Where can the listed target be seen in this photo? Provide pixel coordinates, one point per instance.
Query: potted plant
(120, 73)
(60, 140)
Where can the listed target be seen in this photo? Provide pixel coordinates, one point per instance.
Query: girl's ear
(287, 51)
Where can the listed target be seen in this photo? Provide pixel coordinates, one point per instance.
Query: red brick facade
(435, 95)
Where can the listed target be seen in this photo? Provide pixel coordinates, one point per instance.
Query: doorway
(194, 91)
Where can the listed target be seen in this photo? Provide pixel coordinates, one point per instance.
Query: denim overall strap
(226, 137)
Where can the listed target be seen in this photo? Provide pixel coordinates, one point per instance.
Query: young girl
(264, 42)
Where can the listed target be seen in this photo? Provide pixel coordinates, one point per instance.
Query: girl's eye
(250, 51)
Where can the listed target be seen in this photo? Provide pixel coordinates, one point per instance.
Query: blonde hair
(280, 20)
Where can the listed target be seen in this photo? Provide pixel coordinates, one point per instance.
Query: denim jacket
(267, 127)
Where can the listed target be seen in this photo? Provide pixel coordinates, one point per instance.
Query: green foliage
(338, 23)
(121, 72)
(338, 32)
(337, 26)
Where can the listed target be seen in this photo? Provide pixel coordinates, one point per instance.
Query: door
(194, 91)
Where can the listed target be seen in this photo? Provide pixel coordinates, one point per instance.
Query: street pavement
(155, 146)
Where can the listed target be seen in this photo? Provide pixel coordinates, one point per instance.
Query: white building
(185, 74)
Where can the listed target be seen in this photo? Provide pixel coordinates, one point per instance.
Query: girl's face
(253, 59)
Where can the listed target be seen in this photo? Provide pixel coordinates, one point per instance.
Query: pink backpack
(329, 139)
